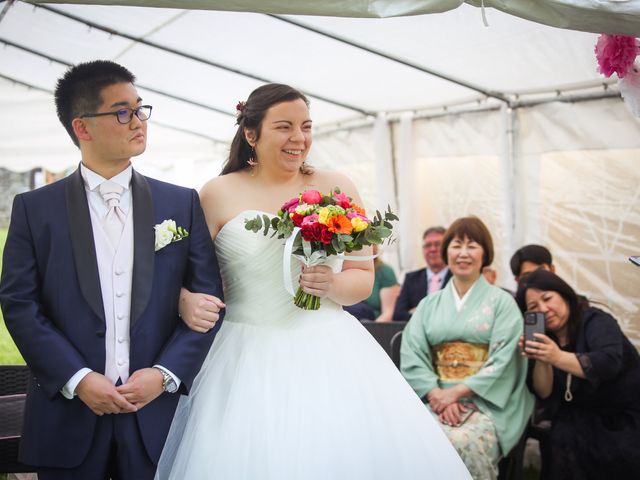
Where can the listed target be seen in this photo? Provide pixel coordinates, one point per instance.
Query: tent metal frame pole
(145, 87)
(195, 58)
(5, 9)
(415, 66)
(165, 125)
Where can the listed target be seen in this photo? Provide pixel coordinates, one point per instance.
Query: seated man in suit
(420, 283)
(529, 258)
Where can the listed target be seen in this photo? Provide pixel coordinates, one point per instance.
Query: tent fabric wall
(577, 179)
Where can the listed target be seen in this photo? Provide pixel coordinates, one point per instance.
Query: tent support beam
(195, 58)
(150, 89)
(172, 127)
(401, 61)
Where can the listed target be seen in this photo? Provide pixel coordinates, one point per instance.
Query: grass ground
(9, 354)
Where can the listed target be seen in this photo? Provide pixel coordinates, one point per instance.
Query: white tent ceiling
(511, 56)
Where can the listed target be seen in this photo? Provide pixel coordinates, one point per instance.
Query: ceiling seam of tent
(166, 125)
(155, 29)
(190, 56)
(489, 93)
(151, 89)
(5, 9)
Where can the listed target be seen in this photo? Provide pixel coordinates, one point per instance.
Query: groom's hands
(143, 386)
(101, 396)
(199, 311)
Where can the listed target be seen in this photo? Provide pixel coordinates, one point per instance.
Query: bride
(285, 393)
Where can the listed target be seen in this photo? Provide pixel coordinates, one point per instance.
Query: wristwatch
(168, 383)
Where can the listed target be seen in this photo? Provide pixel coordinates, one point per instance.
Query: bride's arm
(199, 311)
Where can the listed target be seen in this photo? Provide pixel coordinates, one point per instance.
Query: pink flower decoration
(354, 214)
(310, 219)
(616, 54)
(311, 197)
(342, 200)
(291, 205)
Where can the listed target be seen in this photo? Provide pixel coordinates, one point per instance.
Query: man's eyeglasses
(125, 115)
(431, 244)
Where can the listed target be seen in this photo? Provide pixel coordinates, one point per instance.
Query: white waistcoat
(115, 268)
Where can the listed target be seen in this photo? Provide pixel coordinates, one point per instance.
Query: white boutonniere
(167, 232)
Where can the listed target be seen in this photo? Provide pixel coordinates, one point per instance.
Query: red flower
(326, 235)
(297, 219)
(312, 232)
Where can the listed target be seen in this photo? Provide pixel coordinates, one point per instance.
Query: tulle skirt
(313, 397)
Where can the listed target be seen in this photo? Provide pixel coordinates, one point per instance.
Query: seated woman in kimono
(460, 354)
(588, 374)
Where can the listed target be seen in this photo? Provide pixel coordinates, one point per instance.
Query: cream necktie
(115, 217)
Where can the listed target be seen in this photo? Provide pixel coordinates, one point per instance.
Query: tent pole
(489, 93)
(172, 127)
(195, 58)
(150, 89)
(5, 9)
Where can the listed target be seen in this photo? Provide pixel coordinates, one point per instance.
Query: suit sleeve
(187, 349)
(51, 357)
(401, 310)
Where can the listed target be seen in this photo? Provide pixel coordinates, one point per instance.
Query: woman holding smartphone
(588, 374)
(460, 354)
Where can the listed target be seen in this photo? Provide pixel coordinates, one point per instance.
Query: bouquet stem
(306, 301)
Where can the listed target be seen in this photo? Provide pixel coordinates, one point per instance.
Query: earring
(251, 160)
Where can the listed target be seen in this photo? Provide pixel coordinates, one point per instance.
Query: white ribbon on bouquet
(310, 259)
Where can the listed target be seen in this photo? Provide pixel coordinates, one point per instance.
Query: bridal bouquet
(318, 225)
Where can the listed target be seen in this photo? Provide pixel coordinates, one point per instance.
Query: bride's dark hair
(250, 115)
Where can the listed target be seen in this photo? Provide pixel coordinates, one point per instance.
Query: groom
(91, 306)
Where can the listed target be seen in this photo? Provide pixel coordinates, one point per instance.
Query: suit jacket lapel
(82, 244)
(143, 247)
(421, 285)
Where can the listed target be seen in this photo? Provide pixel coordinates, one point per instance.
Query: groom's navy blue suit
(52, 305)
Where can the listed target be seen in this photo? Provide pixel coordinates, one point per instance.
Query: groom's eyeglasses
(125, 115)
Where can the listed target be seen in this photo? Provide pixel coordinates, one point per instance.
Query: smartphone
(635, 259)
(533, 323)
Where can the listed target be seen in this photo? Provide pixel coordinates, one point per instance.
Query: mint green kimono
(488, 316)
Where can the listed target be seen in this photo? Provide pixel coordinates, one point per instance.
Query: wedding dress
(289, 394)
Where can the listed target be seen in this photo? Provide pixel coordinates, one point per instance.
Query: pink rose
(310, 219)
(311, 197)
(342, 200)
(290, 205)
(355, 214)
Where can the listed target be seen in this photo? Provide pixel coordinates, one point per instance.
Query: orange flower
(358, 209)
(340, 224)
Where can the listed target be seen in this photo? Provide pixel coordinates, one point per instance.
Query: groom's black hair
(78, 91)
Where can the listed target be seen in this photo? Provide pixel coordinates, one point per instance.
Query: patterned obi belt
(455, 361)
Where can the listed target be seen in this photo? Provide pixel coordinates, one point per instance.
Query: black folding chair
(396, 342)
(383, 332)
(13, 388)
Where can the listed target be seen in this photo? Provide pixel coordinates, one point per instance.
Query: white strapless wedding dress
(289, 394)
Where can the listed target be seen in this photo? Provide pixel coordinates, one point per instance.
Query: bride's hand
(316, 280)
(199, 311)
